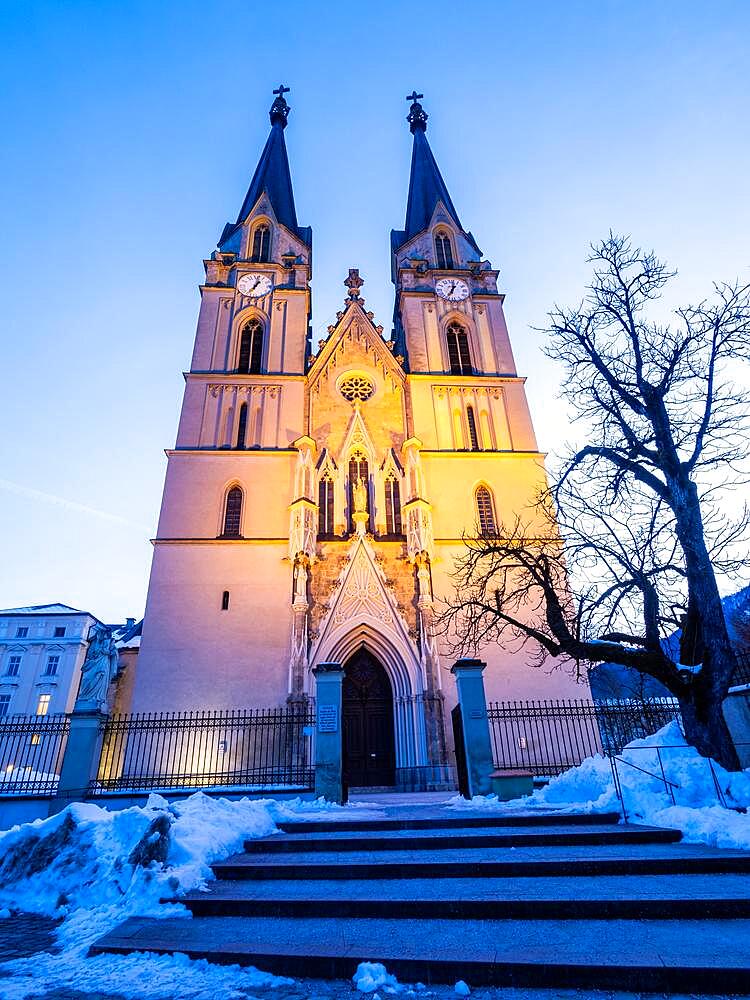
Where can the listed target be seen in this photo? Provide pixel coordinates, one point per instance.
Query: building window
(358, 469)
(14, 665)
(458, 350)
(59, 631)
(43, 705)
(392, 506)
(325, 506)
(242, 426)
(485, 511)
(4, 704)
(225, 601)
(53, 662)
(22, 631)
(357, 387)
(251, 348)
(233, 513)
(473, 436)
(261, 244)
(443, 251)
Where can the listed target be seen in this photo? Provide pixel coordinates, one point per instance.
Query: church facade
(316, 497)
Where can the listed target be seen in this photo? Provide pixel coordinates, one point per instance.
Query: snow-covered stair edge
(697, 810)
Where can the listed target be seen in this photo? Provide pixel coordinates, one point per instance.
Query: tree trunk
(706, 729)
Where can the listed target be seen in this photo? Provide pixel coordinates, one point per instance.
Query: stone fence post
(328, 737)
(81, 757)
(474, 724)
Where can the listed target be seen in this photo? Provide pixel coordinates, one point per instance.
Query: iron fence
(742, 672)
(267, 749)
(548, 737)
(31, 753)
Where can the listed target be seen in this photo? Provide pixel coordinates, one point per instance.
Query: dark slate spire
(272, 175)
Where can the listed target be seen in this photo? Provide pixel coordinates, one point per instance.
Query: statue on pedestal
(98, 669)
(359, 495)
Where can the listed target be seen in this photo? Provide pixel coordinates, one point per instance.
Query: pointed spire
(272, 176)
(426, 185)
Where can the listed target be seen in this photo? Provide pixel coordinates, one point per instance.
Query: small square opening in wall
(225, 601)
(59, 631)
(22, 632)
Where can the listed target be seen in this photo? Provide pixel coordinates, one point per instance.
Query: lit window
(458, 350)
(35, 739)
(4, 704)
(53, 662)
(22, 631)
(392, 506)
(14, 665)
(233, 513)
(444, 252)
(485, 511)
(59, 631)
(43, 706)
(261, 244)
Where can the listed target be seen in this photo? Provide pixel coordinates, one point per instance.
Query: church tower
(316, 498)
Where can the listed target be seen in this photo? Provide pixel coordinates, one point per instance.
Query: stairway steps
(609, 859)
(443, 839)
(703, 955)
(436, 819)
(624, 897)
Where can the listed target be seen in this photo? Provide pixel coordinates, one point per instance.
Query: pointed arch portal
(368, 729)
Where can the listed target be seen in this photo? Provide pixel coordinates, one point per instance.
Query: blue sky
(130, 132)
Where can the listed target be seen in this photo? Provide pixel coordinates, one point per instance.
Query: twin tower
(317, 496)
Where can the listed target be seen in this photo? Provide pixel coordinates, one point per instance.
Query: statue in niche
(359, 496)
(300, 581)
(98, 668)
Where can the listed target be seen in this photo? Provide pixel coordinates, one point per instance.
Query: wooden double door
(369, 742)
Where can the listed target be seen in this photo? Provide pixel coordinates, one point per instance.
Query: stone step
(656, 955)
(607, 859)
(426, 818)
(605, 897)
(457, 837)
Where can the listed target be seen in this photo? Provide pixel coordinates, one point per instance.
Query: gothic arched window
(242, 426)
(473, 435)
(251, 348)
(325, 506)
(233, 513)
(485, 511)
(458, 350)
(392, 506)
(261, 244)
(358, 469)
(443, 251)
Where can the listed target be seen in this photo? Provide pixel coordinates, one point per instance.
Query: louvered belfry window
(233, 513)
(473, 436)
(261, 245)
(392, 506)
(251, 348)
(242, 426)
(485, 512)
(325, 506)
(443, 251)
(458, 350)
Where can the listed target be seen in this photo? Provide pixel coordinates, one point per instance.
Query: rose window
(356, 387)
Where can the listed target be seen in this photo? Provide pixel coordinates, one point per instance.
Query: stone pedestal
(81, 757)
(474, 724)
(329, 783)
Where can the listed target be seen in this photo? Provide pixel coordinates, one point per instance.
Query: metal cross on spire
(280, 109)
(417, 117)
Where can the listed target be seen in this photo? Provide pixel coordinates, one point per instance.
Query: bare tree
(626, 546)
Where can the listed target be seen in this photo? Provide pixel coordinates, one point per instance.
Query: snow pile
(94, 868)
(371, 976)
(697, 811)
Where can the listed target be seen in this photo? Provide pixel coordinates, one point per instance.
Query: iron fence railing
(741, 674)
(253, 749)
(31, 753)
(548, 737)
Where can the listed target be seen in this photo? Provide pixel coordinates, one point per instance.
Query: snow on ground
(93, 868)
(697, 810)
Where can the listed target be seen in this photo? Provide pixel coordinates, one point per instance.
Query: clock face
(254, 285)
(452, 289)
